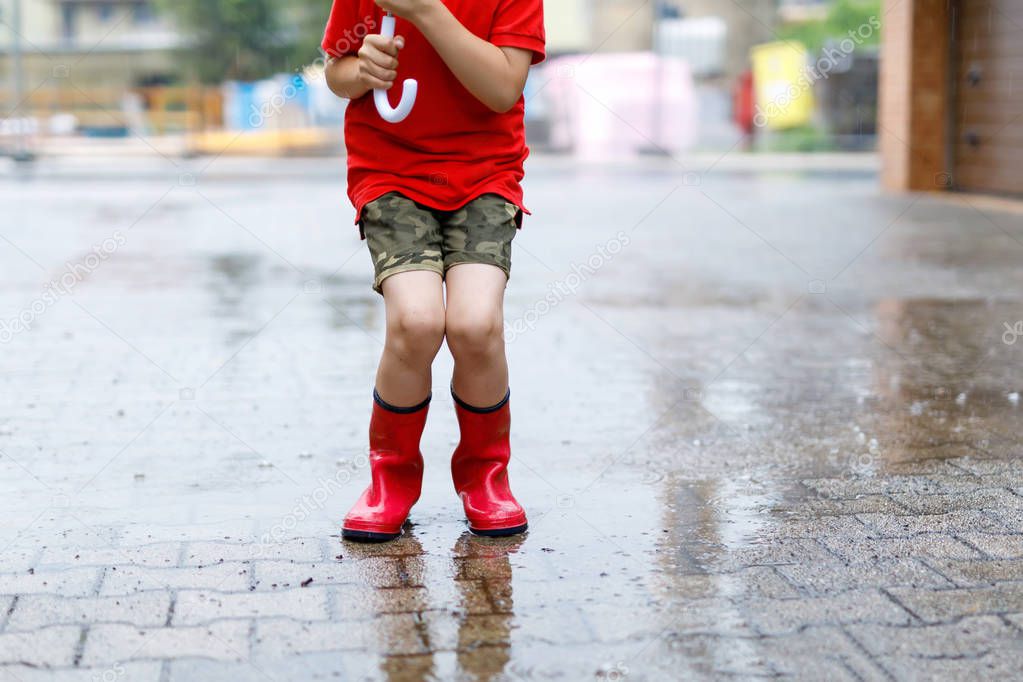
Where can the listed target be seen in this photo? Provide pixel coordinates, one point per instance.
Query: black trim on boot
(400, 410)
(367, 536)
(480, 410)
(500, 532)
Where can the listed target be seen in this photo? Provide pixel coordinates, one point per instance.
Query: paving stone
(108, 644)
(717, 616)
(462, 596)
(745, 658)
(818, 653)
(404, 546)
(996, 546)
(1005, 479)
(379, 572)
(208, 553)
(331, 665)
(849, 489)
(143, 609)
(969, 637)
(1016, 619)
(772, 551)
(990, 498)
(756, 581)
(816, 527)
(957, 483)
(934, 464)
(905, 525)
(478, 568)
(982, 467)
(159, 554)
(653, 659)
(273, 575)
(77, 582)
(863, 504)
(472, 631)
(826, 579)
(782, 616)
(278, 637)
(143, 671)
(199, 607)
(5, 608)
(1012, 519)
(17, 559)
(221, 531)
(79, 535)
(931, 545)
(392, 634)
(979, 573)
(355, 602)
(935, 606)
(994, 665)
(51, 646)
(226, 577)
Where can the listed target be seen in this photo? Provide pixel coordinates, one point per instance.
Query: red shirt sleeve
(346, 28)
(519, 23)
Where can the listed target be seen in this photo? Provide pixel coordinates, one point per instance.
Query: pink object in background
(619, 104)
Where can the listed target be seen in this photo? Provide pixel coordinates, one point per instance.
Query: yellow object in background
(783, 84)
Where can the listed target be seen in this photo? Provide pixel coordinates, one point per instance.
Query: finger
(382, 44)
(376, 83)
(384, 61)
(375, 71)
(399, 43)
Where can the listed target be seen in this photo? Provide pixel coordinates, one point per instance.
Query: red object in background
(742, 103)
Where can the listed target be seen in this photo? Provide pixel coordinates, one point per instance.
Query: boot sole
(500, 532)
(367, 536)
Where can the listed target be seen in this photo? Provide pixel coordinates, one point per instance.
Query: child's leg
(415, 331)
(475, 336)
(475, 332)
(405, 243)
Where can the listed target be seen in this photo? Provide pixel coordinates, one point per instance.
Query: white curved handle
(410, 88)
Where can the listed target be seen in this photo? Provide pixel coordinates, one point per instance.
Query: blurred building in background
(124, 69)
(107, 43)
(951, 102)
(747, 23)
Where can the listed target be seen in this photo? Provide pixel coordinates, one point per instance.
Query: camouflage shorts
(404, 235)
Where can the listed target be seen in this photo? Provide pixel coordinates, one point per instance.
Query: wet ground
(767, 424)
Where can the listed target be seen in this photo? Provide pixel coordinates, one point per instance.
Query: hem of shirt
(522, 41)
(430, 202)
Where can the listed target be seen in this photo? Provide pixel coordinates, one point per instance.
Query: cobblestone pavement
(767, 424)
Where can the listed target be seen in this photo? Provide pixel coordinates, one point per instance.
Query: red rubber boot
(396, 465)
(479, 468)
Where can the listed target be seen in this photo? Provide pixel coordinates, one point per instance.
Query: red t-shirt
(452, 148)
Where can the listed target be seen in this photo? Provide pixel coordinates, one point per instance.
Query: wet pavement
(767, 424)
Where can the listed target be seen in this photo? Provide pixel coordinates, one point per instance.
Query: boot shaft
(396, 432)
(485, 434)
(479, 468)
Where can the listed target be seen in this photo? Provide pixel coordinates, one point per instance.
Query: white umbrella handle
(410, 89)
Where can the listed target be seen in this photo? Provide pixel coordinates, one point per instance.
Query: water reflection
(948, 378)
(483, 574)
(931, 378)
(421, 627)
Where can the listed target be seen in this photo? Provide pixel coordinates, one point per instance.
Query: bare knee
(475, 335)
(415, 334)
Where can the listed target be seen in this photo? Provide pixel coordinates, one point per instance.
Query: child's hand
(407, 9)
(378, 61)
